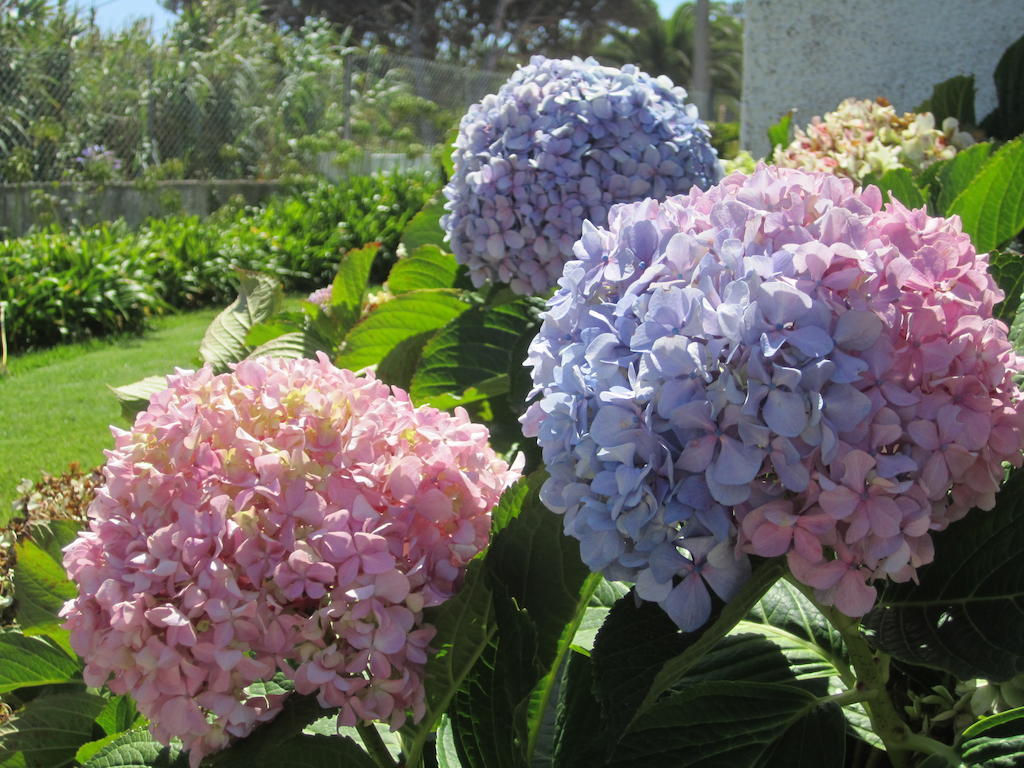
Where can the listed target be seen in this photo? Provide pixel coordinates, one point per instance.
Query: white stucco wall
(811, 54)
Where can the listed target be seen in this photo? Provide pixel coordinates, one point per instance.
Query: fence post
(346, 96)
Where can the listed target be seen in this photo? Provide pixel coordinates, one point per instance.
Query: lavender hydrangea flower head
(561, 142)
(777, 366)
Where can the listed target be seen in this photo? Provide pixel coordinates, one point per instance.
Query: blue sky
(114, 14)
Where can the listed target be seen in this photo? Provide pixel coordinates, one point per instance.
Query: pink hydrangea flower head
(777, 366)
(288, 517)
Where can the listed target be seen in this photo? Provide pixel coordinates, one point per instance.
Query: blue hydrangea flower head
(775, 366)
(561, 142)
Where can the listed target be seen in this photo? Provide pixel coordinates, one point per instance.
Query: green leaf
(447, 755)
(294, 345)
(53, 535)
(40, 590)
(952, 98)
(1007, 267)
(471, 351)
(349, 286)
(395, 321)
(465, 626)
(898, 183)
(316, 751)
(966, 615)
(298, 713)
(425, 227)
(538, 569)
(735, 725)
(429, 266)
(511, 502)
(1007, 119)
(958, 173)
(399, 365)
(996, 741)
(138, 749)
(992, 207)
(259, 297)
(28, 661)
(50, 729)
(90, 748)
(134, 398)
(605, 596)
(812, 646)
(778, 134)
(541, 590)
(119, 714)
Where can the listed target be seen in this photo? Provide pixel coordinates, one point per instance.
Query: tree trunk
(700, 88)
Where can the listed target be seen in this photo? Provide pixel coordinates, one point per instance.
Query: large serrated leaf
(349, 286)
(50, 729)
(259, 297)
(28, 661)
(119, 714)
(395, 321)
(952, 98)
(134, 398)
(465, 626)
(40, 590)
(1007, 119)
(898, 183)
(992, 207)
(966, 616)
(541, 590)
(425, 227)
(429, 266)
(293, 345)
(735, 725)
(137, 749)
(1007, 267)
(471, 350)
(253, 751)
(958, 173)
(996, 741)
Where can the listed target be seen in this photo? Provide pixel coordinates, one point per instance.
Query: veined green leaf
(349, 286)
(137, 749)
(992, 207)
(966, 614)
(471, 352)
(50, 729)
(29, 661)
(395, 321)
(898, 183)
(957, 174)
(719, 724)
(778, 134)
(425, 227)
(429, 266)
(40, 590)
(259, 297)
(134, 398)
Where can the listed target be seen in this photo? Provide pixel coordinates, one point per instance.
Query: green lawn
(55, 406)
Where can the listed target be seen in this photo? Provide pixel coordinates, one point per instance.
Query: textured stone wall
(811, 54)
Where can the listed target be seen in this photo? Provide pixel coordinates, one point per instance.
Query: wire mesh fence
(68, 113)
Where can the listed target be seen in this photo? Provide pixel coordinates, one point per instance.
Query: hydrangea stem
(872, 675)
(375, 746)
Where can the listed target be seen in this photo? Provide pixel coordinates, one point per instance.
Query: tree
(485, 33)
(666, 47)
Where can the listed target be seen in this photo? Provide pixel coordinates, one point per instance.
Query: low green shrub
(106, 279)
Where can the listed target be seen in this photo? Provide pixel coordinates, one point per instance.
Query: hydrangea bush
(289, 517)
(864, 136)
(779, 365)
(561, 142)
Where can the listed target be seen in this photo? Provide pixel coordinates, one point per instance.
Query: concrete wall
(811, 54)
(23, 204)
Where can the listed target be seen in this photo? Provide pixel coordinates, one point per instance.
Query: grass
(55, 405)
